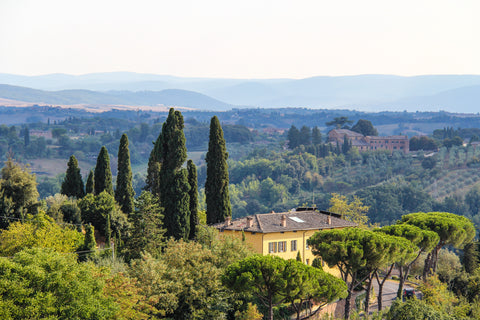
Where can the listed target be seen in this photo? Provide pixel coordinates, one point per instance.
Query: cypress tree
(173, 180)
(90, 183)
(124, 193)
(103, 174)
(72, 185)
(316, 136)
(216, 185)
(192, 181)
(89, 244)
(152, 182)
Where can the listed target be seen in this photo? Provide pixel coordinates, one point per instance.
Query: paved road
(389, 294)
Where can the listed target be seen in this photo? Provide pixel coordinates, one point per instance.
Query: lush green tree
(184, 283)
(339, 123)
(124, 193)
(90, 185)
(316, 136)
(192, 181)
(306, 283)
(263, 276)
(471, 257)
(423, 240)
(452, 230)
(88, 250)
(356, 252)
(216, 185)
(414, 309)
(422, 143)
(293, 137)
(18, 193)
(103, 173)
(39, 231)
(72, 185)
(152, 182)
(44, 284)
(353, 211)
(173, 179)
(305, 136)
(147, 232)
(365, 127)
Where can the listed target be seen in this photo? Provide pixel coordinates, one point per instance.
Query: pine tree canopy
(216, 185)
(103, 173)
(124, 193)
(72, 185)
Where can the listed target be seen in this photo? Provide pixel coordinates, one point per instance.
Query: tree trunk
(348, 299)
(380, 286)
(401, 283)
(367, 295)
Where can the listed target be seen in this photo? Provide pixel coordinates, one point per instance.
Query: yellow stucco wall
(260, 244)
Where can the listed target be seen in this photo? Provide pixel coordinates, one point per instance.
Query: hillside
(456, 93)
(169, 97)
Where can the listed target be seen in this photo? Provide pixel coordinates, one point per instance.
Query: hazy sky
(240, 39)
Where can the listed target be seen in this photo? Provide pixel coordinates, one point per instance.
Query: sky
(240, 39)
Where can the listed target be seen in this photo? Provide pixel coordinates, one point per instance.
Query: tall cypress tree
(124, 193)
(152, 182)
(216, 185)
(103, 174)
(72, 185)
(192, 181)
(90, 186)
(173, 180)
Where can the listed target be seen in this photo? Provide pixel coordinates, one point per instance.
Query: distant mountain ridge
(456, 93)
(169, 97)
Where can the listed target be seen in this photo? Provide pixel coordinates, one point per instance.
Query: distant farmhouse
(283, 234)
(366, 143)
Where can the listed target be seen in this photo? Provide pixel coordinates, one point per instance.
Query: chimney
(284, 220)
(228, 221)
(249, 222)
(329, 220)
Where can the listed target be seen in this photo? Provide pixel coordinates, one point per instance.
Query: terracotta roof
(347, 132)
(295, 221)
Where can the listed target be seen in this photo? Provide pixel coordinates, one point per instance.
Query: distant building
(41, 133)
(284, 234)
(365, 143)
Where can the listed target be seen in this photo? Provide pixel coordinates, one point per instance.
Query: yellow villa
(283, 234)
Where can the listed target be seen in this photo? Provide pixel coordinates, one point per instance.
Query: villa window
(282, 246)
(293, 245)
(272, 247)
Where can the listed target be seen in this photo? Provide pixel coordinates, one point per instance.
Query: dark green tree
(173, 179)
(452, 229)
(216, 185)
(365, 127)
(152, 182)
(90, 186)
(72, 185)
(471, 257)
(192, 181)
(124, 193)
(293, 137)
(147, 233)
(87, 251)
(305, 136)
(18, 193)
(340, 123)
(103, 173)
(316, 136)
